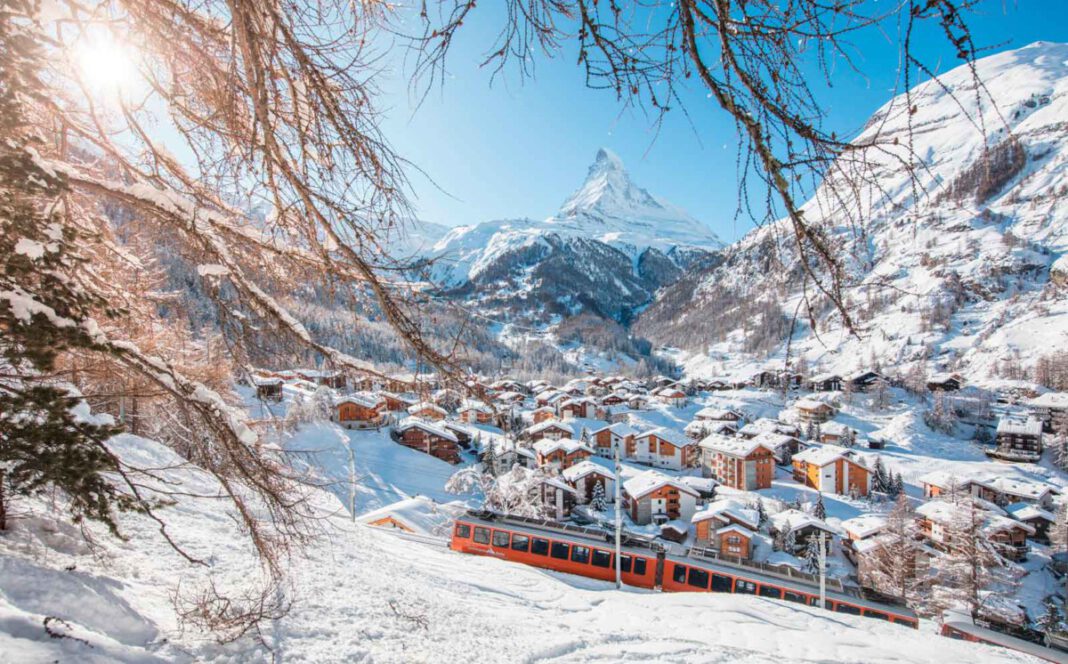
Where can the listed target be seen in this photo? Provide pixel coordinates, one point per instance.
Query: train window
(698, 578)
(559, 550)
(463, 530)
(878, 615)
(601, 558)
(482, 535)
(794, 597)
(500, 539)
(639, 566)
(539, 546)
(744, 587)
(721, 584)
(520, 542)
(770, 591)
(847, 608)
(625, 562)
(580, 554)
(679, 574)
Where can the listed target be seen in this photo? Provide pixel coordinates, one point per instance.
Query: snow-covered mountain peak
(607, 189)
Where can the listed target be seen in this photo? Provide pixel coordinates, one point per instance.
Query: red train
(644, 564)
(961, 626)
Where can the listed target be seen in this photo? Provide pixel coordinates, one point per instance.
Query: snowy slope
(365, 595)
(952, 269)
(620, 242)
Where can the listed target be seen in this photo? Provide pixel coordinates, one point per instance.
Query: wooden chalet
(653, 497)
(832, 469)
(428, 437)
(1018, 440)
(359, 411)
(746, 465)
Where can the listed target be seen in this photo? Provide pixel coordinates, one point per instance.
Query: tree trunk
(3, 505)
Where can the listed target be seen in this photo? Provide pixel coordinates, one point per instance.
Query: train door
(658, 582)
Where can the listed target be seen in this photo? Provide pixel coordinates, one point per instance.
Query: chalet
(1018, 440)
(938, 519)
(607, 439)
(419, 515)
(447, 399)
(735, 540)
(698, 429)
(810, 410)
(710, 414)
(359, 411)
(720, 514)
(938, 483)
(396, 403)
(1052, 410)
(268, 389)
(576, 387)
(637, 402)
(582, 407)
(508, 386)
(800, 527)
(832, 469)
(825, 382)
(363, 382)
(614, 399)
(665, 448)
(1033, 515)
(653, 497)
(765, 424)
(460, 430)
(539, 415)
(332, 379)
(548, 430)
(836, 433)
(1004, 491)
(401, 382)
(859, 532)
(741, 464)
(509, 398)
(562, 453)
(475, 412)
(673, 396)
(704, 486)
(862, 381)
(783, 446)
(557, 497)
(945, 382)
(428, 437)
(584, 476)
(427, 411)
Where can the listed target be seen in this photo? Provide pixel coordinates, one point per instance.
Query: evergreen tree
(789, 542)
(598, 501)
(812, 555)
(879, 480)
(899, 486)
(762, 513)
(819, 510)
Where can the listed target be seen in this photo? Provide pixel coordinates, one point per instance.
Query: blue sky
(518, 148)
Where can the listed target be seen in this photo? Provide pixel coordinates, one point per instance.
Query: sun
(105, 66)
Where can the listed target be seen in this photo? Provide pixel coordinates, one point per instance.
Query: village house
(584, 476)
(428, 437)
(812, 411)
(836, 433)
(1051, 409)
(637, 402)
(548, 430)
(939, 483)
(747, 465)
(721, 514)
(938, 519)
(653, 497)
(557, 497)
(359, 411)
(825, 382)
(428, 411)
(614, 399)
(1018, 440)
(945, 382)
(607, 439)
(711, 414)
(832, 469)
(766, 424)
(419, 515)
(784, 447)
(858, 529)
(397, 403)
(1036, 517)
(1005, 491)
(673, 396)
(665, 448)
(268, 389)
(475, 412)
(735, 540)
(509, 398)
(581, 407)
(332, 379)
(561, 453)
(862, 381)
(800, 527)
(539, 415)
(698, 429)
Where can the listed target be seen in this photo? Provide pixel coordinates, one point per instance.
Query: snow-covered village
(536, 331)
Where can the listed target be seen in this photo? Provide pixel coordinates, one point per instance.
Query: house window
(482, 535)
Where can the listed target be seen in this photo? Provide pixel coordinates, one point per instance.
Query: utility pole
(352, 480)
(619, 521)
(823, 569)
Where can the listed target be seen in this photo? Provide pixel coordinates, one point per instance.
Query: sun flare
(106, 66)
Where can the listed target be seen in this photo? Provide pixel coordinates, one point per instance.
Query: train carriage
(645, 564)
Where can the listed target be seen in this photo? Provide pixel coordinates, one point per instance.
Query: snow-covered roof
(735, 528)
(676, 438)
(621, 429)
(475, 405)
(363, 399)
(729, 507)
(1014, 487)
(1049, 399)
(834, 429)
(811, 404)
(418, 514)
(651, 480)
(584, 468)
(1015, 426)
(700, 484)
(426, 405)
(429, 427)
(790, 520)
(713, 413)
(739, 447)
(558, 483)
(864, 526)
(266, 380)
(549, 424)
(943, 480)
(822, 455)
(1029, 512)
(566, 445)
